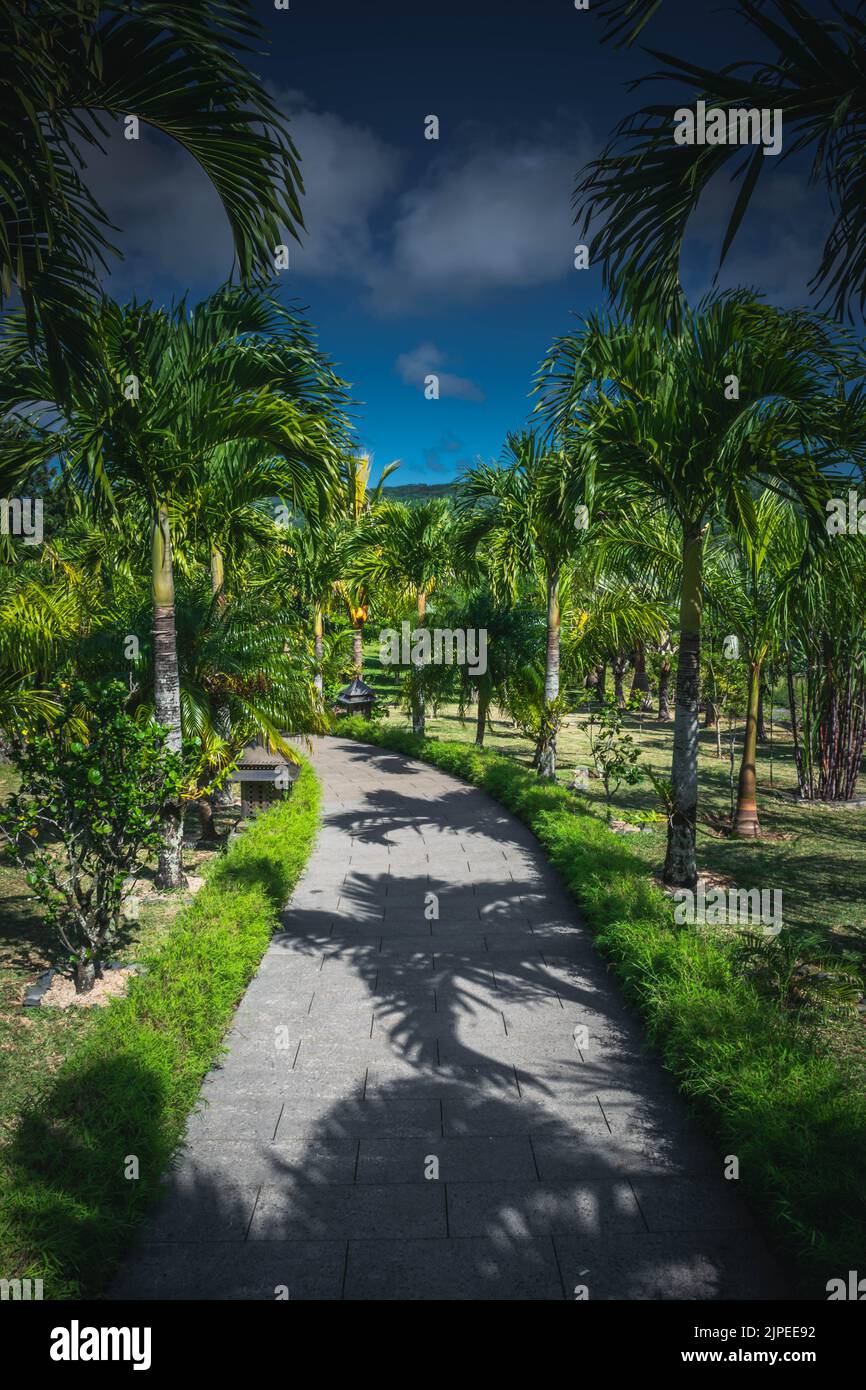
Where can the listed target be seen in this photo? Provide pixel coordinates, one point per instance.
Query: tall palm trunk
(664, 713)
(640, 684)
(618, 665)
(746, 821)
(547, 740)
(763, 736)
(680, 869)
(217, 574)
(481, 718)
(358, 647)
(319, 647)
(418, 711)
(222, 796)
(166, 692)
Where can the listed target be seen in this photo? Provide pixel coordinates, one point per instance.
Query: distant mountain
(417, 492)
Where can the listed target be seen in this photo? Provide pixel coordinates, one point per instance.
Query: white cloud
(487, 216)
(348, 171)
(426, 359)
(171, 221)
(491, 216)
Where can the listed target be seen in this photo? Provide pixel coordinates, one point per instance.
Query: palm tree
(624, 19)
(179, 70)
(357, 502)
(243, 675)
(232, 503)
(644, 189)
(306, 569)
(407, 549)
(514, 637)
(170, 391)
(751, 571)
(38, 619)
(688, 418)
(21, 705)
(514, 515)
(644, 548)
(603, 612)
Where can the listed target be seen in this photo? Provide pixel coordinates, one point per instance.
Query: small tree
(614, 751)
(91, 794)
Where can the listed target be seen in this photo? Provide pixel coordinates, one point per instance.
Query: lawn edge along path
(85, 1163)
(787, 1109)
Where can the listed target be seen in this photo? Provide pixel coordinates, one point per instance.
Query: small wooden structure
(357, 698)
(263, 776)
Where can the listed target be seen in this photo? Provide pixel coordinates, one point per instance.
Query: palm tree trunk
(319, 647)
(664, 713)
(680, 869)
(222, 796)
(166, 693)
(418, 713)
(547, 739)
(358, 648)
(217, 574)
(746, 821)
(762, 726)
(204, 806)
(640, 681)
(795, 731)
(481, 718)
(618, 665)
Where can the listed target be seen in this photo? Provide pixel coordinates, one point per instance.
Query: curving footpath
(434, 1090)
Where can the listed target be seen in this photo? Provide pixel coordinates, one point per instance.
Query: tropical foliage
(642, 192)
(72, 69)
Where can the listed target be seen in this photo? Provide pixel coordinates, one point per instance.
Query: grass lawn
(35, 1042)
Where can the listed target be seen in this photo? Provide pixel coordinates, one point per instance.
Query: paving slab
(440, 1270)
(404, 1110)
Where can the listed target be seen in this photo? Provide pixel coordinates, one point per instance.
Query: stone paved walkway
(380, 1043)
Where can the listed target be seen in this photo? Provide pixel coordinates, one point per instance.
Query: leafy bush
(615, 752)
(91, 792)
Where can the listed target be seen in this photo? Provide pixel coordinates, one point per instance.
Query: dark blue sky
(456, 255)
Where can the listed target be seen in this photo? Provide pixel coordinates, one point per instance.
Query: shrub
(91, 792)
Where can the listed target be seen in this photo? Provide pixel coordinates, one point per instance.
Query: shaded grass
(777, 1097)
(69, 1208)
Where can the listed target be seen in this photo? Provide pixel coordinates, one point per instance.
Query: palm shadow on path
(406, 1110)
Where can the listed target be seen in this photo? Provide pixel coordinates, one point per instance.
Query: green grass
(35, 1042)
(776, 1094)
(132, 1077)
